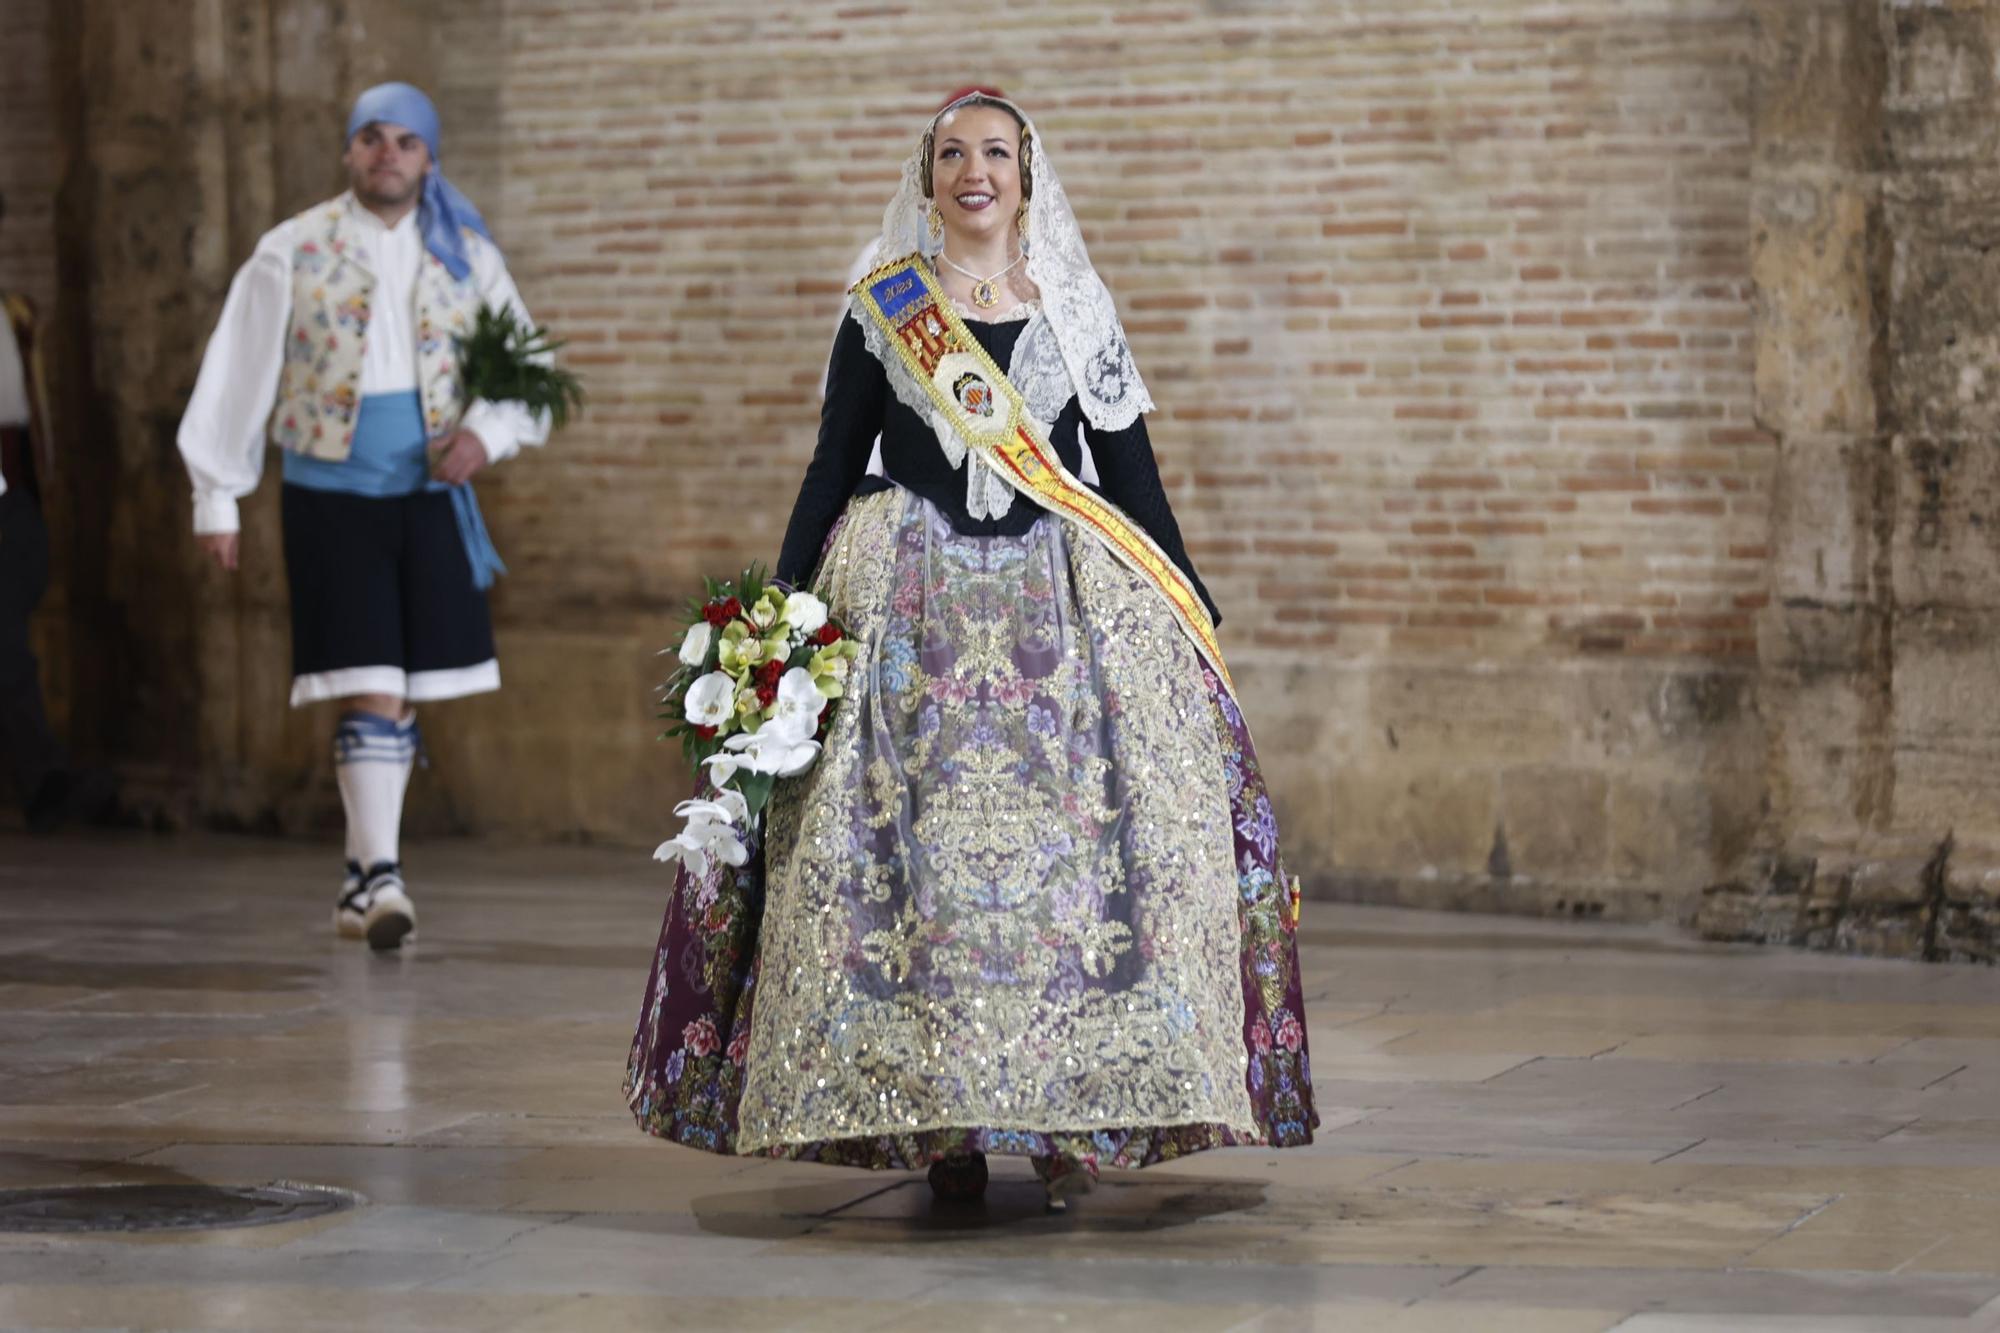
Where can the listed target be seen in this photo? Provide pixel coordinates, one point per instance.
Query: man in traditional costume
(337, 344)
(1029, 900)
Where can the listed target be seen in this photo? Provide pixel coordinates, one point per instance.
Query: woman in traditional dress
(1029, 900)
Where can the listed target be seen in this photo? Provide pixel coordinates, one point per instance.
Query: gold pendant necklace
(984, 294)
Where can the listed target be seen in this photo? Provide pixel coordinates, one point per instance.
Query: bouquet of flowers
(759, 665)
(503, 359)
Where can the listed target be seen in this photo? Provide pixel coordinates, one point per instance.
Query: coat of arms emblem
(974, 394)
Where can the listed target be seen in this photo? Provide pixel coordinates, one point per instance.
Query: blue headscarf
(442, 211)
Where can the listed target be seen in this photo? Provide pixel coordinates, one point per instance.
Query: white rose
(709, 700)
(805, 612)
(694, 648)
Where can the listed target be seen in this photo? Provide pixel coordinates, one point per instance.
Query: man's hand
(455, 457)
(223, 546)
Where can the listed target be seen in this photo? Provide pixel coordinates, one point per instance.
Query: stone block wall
(29, 159)
(30, 169)
(1881, 646)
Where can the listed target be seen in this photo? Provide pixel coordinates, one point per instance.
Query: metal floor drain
(85, 1208)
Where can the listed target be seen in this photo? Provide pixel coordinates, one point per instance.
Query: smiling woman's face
(976, 172)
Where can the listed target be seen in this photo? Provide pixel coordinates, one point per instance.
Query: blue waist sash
(390, 457)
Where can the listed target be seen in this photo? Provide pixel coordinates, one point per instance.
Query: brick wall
(1447, 315)
(1446, 307)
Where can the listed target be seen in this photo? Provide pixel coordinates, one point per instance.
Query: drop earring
(934, 226)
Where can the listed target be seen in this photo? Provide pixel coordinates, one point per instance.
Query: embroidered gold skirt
(1027, 902)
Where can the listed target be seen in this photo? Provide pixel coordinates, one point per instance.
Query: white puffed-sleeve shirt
(223, 434)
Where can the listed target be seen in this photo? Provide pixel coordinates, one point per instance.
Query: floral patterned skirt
(1028, 902)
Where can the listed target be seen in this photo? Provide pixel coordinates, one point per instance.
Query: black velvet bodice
(860, 404)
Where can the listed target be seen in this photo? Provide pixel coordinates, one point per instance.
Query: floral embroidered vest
(333, 285)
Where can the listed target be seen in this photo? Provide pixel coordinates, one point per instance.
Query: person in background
(336, 343)
(49, 788)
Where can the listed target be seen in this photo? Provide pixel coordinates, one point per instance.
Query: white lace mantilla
(1037, 370)
(1075, 301)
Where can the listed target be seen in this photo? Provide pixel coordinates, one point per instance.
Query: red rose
(706, 733)
(732, 608)
(715, 615)
(770, 673)
(766, 695)
(828, 633)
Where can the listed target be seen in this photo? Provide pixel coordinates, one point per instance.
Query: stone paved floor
(1529, 1126)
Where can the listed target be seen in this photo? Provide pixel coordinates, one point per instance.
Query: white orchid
(710, 699)
(804, 612)
(772, 750)
(708, 834)
(724, 765)
(784, 757)
(765, 734)
(799, 705)
(748, 752)
(728, 807)
(694, 648)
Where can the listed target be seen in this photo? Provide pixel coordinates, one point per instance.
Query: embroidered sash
(972, 397)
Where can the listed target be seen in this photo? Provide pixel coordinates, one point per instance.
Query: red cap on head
(969, 91)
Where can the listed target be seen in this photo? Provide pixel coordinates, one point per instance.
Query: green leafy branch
(504, 360)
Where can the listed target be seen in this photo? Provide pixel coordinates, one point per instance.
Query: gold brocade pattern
(1006, 896)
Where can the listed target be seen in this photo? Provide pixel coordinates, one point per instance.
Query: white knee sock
(372, 756)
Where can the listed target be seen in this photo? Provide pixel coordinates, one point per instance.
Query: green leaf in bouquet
(756, 789)
(503, 359)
